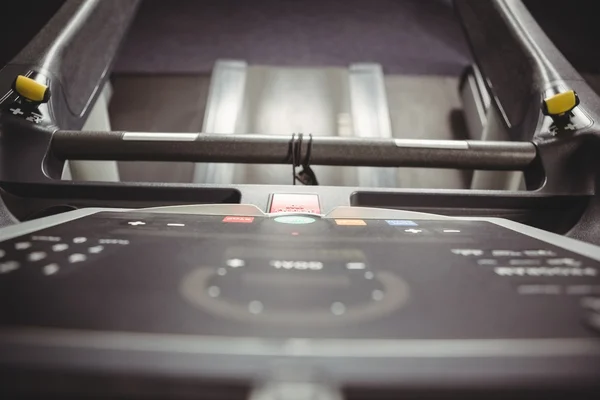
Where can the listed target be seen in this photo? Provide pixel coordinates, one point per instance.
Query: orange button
(350, 222)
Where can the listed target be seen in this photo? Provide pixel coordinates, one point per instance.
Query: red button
(232, 219)
(305, 203)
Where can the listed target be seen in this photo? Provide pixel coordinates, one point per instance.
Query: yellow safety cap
(560, 103)
(31, 90)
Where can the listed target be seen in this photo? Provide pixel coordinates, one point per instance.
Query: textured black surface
(409, 37)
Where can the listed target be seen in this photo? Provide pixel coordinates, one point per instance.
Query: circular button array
(52, 255)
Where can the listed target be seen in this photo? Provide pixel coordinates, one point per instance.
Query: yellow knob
(31, 90)
(560, 103)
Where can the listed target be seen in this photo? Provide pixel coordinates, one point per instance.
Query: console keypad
(307, 277)
(52, 255)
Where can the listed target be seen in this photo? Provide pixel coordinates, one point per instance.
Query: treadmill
(300, 291)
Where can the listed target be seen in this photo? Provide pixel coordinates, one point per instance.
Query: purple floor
(405, 36)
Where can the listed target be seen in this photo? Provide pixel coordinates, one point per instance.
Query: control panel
(297, 275)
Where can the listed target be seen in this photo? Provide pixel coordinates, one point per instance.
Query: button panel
(275, 271)
(52, 255)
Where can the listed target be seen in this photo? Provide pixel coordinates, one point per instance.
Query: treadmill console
(313, 290)
(294, 275)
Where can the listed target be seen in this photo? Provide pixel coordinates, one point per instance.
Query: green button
(294, 220)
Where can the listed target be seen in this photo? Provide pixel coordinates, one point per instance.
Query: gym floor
(162, 76)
